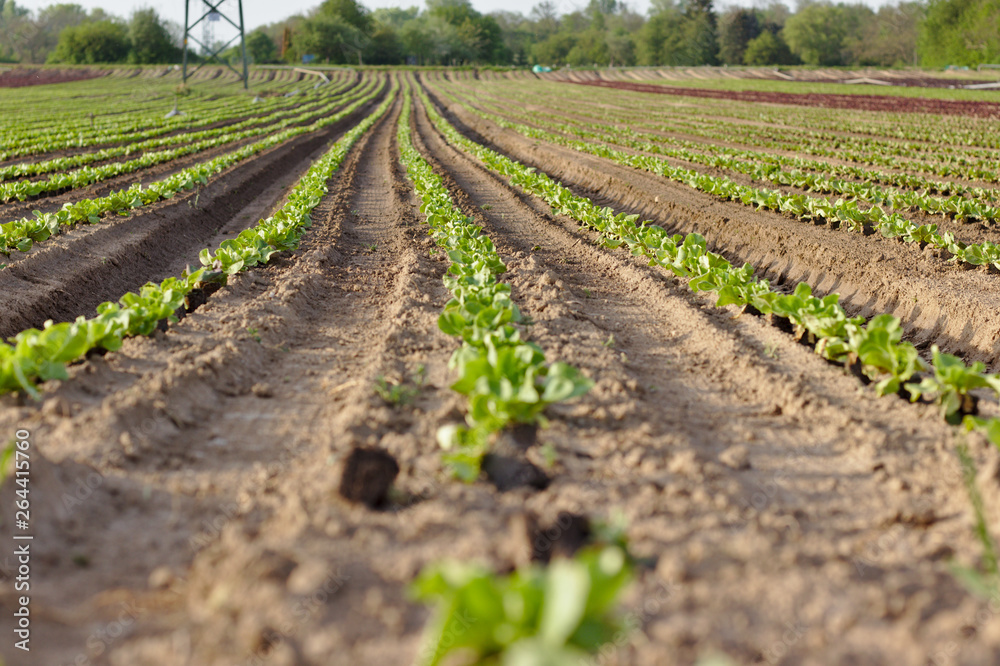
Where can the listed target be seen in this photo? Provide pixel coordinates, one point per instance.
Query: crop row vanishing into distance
(569, 609)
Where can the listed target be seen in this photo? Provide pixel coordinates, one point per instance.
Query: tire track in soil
(937, 302)
(74, 272)
(746, 551)
(238, 445)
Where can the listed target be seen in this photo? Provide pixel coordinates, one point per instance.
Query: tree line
(606, 33)
(68, 33)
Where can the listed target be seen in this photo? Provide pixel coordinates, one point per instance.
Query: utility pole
(213, 13)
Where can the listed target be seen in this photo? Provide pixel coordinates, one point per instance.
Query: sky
(261, 12)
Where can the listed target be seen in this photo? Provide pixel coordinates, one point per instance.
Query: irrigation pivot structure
(213, 13)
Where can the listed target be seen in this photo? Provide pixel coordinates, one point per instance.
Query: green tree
(889, 38)
(151, 43)
(349, 11)
(960, 32)
(331, 39)
(590, 49)
(93, 43)
(701, 42)
(767, 48)
(621, 48)
(417, 41)
(470, 36)
(603, 7)
(661, 39)
(395, 17)
(817, 33)
(30, 38)
(545, 19)
(737, 27)
(554, 49)
(384, 47)
(261, 49)
(517, 35)
(454, 12)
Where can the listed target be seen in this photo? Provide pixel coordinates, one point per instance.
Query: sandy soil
(185, 488)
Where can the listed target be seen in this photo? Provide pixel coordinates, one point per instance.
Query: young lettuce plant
(880, 349)
(560, 615)
(506, 380)
(951, 383)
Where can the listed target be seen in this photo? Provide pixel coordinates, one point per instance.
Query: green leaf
(566, 589)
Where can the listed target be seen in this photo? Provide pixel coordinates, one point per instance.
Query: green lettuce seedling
(559, 615)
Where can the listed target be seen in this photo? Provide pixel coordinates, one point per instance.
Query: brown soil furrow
(935, 300)
(71, 274)
(681, 384)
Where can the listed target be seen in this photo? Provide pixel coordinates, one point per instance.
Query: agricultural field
(455, 366)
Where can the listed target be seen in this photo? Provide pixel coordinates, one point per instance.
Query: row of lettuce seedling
(137, 129)
(562, 613)
(955, 206)
(58, 164)
(120, 104)
(933, 147)
(506, 379)
(837, 213)
(615, 125)
(88, 175)
(22, 234)
(875, 349)
(889, 131)
(201, 105)
(40, 355)
(124, 104)
(825, 144)
(929, 160)
(892, 136)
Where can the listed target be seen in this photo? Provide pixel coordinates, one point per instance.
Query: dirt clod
(262, 390)
(563, 538)
(368, 474)
(736, 457)
(508, 473)
(57, 406)
(161, 578)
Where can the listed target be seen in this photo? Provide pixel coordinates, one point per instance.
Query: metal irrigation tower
(212, 13)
